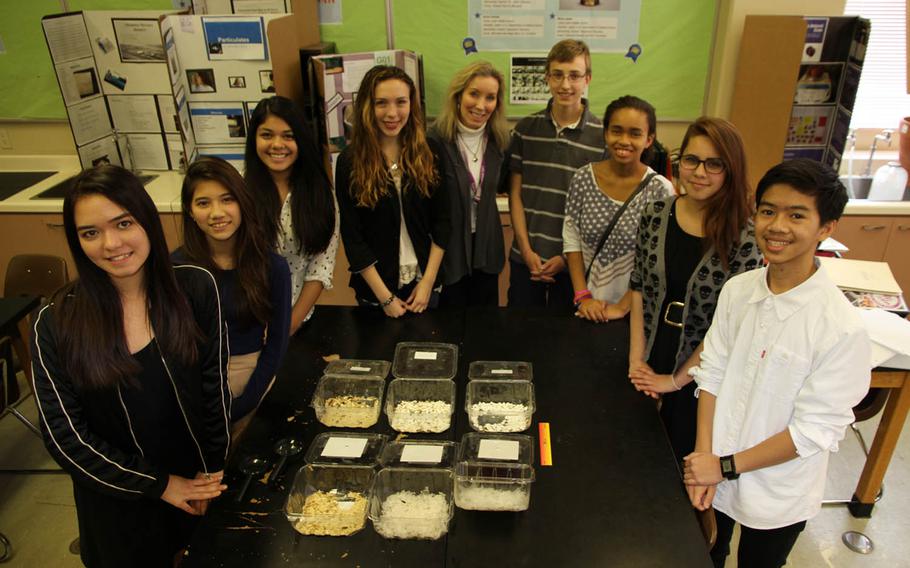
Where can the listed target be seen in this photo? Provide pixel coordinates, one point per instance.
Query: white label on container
(361, 369)
(419, 453)
(425, 355)
(498, 450)
(501, 371)
(345, 505)
(338, 447)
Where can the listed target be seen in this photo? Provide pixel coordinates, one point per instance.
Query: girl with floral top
(687, 247)
(596, 195)
(294, 197)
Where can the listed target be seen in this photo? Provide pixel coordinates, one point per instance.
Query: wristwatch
(728, 467)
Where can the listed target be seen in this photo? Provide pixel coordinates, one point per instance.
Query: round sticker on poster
(634, 52)
(469, 45)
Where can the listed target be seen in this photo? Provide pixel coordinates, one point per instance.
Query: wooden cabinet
(878, 237)
(42, 233)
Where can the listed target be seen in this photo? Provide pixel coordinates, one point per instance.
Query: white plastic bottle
(889, 183)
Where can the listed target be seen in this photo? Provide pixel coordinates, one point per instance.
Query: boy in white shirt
(785, 361)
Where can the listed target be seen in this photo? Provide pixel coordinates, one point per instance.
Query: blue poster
(230, 38)
(535, 25)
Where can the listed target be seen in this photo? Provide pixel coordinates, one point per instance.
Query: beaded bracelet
(388, 302)
(583, 295)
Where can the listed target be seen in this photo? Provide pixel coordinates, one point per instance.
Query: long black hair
(312, 205)
(90, 314)
(251, 250)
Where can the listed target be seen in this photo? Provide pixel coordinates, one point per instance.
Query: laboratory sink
(59, 190)
(858, 187)
(12, 183)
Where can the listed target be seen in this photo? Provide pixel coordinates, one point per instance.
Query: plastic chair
(28, 275)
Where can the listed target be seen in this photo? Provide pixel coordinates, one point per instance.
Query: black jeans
(524, 292)
(475, 289)
(757, 548)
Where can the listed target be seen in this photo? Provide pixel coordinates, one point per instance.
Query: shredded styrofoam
(421, 416)
(406, 514)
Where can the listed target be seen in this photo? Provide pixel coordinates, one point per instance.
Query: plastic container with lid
(413, 503)
(420, 405)
(494, 472)
(511, 370)
(499, 406)
(330, 495)
(330, 500)
(423, 360)
(359, 368)
(348, 402)
(419, 453)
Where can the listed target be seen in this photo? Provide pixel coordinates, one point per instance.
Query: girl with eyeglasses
(603, 207)
(472, 134)
(130, 378)
(687, 247)
(394, 216)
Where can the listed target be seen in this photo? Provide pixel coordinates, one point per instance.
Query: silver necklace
(476, 150)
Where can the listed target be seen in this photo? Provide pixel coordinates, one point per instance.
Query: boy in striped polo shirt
(546, 149)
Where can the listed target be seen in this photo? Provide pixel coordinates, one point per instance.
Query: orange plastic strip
(546, 454)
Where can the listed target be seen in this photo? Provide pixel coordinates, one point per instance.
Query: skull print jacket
(649, 277)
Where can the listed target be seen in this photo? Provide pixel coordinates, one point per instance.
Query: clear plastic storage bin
(420, 405)
(412, 503)
(499, 406)
(421, 360)
(359, 368)
(348, 402)
(509, 370)
(330, 500)
(346, 448)
(494, 472)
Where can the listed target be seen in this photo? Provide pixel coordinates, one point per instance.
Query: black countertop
(613, 496)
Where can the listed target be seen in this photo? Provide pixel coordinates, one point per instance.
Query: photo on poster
(817, 83)
(606, 5)
(232, 154)
(816, 29)
(115, 79)
(139, 40)
(266, 81)
(528, 80)
(237, 82)
(809, 125)
(235, 38)
(201, 80)
(218, 122)
(170, 49)
(78, 80)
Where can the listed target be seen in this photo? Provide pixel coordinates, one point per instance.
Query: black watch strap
(728, 467)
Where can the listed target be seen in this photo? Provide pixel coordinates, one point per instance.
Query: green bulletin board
(671, 72)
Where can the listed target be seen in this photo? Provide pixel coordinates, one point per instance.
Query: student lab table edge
(886, 437)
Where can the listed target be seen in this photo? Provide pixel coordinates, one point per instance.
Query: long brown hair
(370, 176)
(446, 123)
(251, 253)
(727, 212)
(89, 311)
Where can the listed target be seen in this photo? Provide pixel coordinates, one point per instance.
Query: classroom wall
(55, 137)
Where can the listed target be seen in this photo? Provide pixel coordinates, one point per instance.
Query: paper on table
(832, 245)
(341, 447)
(866, 275)
(421, 453)
(498, 450)
(887, 329)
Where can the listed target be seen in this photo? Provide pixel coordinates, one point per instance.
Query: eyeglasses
(712, 165)
(573, 77)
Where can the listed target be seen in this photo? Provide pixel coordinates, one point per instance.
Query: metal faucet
(884, 136)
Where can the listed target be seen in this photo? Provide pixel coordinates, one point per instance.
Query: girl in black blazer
(394, 218)
(471, 134)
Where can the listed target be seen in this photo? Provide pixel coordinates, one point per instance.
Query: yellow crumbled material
(332, 513)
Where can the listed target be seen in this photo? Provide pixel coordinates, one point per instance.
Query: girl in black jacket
(130, 378)
(394, 220)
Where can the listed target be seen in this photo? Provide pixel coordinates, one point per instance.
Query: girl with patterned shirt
(597, 193)
(687, 247)
(295, 203)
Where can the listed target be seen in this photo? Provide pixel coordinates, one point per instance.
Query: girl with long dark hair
(283, 167)
(394, 216)
(472, 133)
(130, 378)
(222, 233)
(687, 248)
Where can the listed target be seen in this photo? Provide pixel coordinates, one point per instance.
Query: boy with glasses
(785, 361)
(546, 149)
